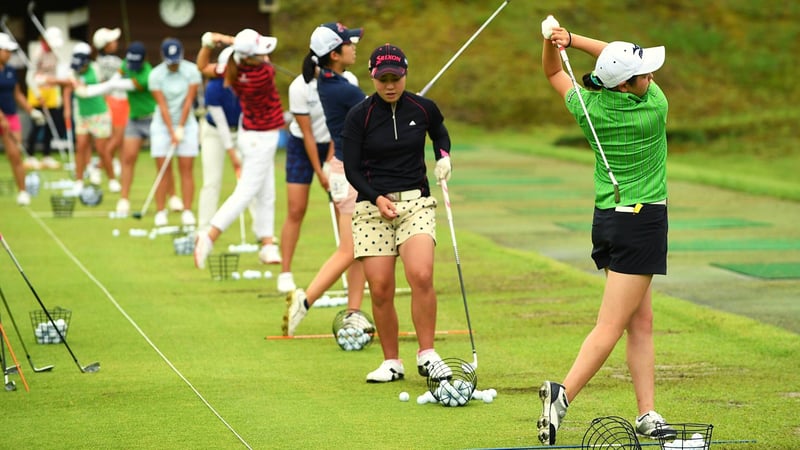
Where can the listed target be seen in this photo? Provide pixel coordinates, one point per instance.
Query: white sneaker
(95, 176)
(295, 311)
(114, 186)
(175, 203)
(389, 370)
(187, 218)
(554, 408)
(123, 207)
(269, 254)
(23, 198)
(286, 282)
(429, 362)
(48, 162)
(31, 163)
(202, 248)
(653, 425)
(161, 219)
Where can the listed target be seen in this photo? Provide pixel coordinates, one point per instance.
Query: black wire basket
(610, 432)
(452, 381)
(687, 436)
(62, 206)
(223, 265)
(47, 332)
(353, 329)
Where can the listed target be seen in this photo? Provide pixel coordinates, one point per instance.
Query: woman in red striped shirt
(252, 77)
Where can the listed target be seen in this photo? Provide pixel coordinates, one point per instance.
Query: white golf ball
(115, 232)
(492, 392)
(267, 274)
(422, 399)
(236, 275)
(403, 396)
(487, 398)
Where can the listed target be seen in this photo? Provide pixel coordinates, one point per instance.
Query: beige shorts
(374, 235)
(97, 125)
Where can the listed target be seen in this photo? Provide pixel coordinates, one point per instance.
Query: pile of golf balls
(46, 333)
(352, 339)
(455, 393)
(487, 396)
(696, 442)
(326, 302)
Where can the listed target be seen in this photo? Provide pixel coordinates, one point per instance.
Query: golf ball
(487, 398)
(404, 396)
(115, 232)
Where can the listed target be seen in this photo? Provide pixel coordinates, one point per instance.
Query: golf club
(167, 159)
(19, 335)
(563, 52)
(35, 20)
(9, 385)
(335, 223)
(446, 196)
(284, 70)
(93, 367)
(463, 47)
(14, 357)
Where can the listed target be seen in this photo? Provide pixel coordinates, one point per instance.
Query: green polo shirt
(141, 99)
(633, 133)
(89, 106)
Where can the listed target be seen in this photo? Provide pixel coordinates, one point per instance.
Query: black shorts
(631, 243)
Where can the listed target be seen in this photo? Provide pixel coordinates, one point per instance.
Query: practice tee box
(770, 271)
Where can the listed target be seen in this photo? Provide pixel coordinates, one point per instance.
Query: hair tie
(315, 59)
(595, 80)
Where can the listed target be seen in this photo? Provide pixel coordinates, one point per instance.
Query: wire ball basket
(610, 432)
(452, 381)
(688, 436)
(47, 332)
(223, 265)
(62, 206)
(353, 329)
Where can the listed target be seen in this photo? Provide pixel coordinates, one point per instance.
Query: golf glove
(443, 169)
(37, 117)
(339, 186)
(326, 169)
(547, 26)
(179, 134)
(207, 40)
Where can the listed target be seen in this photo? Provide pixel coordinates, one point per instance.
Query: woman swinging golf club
(627, 111)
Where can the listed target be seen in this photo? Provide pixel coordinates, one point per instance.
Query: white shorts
(161, 141)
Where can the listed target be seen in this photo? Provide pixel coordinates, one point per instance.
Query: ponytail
(309, 66)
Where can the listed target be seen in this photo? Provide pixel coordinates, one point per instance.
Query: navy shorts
(298, 166)
(631, 243)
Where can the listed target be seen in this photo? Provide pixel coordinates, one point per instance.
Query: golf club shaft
(334, 221)
(446, 195)
(94, 366)
(461, 50)
(19, 335)
(36, 23)
(154, 188)
(14, 357)
(563, 52)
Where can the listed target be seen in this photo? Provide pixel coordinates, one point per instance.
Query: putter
(93, 367)
(19, 335)
(446, 196)
(563, 52)
(463, 47)
(167, 159)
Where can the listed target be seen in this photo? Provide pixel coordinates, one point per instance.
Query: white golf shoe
(389, 370)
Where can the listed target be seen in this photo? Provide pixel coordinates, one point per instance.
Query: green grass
(530, 315)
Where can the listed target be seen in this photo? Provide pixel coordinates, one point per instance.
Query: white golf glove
(547, 26)
(37, 117)
(179, 134)
(443, 169)
(207, 40)
(326, 169)
(339, 186)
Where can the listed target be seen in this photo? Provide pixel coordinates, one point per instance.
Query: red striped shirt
(261, 104)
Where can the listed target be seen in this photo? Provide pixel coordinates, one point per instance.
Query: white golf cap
(6, 43)
(222, 60)
(620, 61)
(54, 37)
(249, 42)
(104, 35)
(326, 37)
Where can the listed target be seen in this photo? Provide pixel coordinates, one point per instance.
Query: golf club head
(11, 370)
(43, 369)
(137, 215)
(91, 368)
(11, 386)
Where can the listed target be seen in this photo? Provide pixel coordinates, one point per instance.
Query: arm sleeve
(222, 128)
(438, 132)
(352, 143)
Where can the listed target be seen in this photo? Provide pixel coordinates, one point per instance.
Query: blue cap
(172, 51)
(134, 57)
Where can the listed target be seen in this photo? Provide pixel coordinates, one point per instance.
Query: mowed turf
(185, 362)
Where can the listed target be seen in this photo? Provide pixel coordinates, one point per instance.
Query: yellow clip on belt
(637, 207)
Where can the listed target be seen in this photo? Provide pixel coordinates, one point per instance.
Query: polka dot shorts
(374, 235)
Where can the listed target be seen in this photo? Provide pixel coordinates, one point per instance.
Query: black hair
(309, 66)
(591, 82)
(325, 60)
